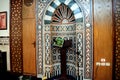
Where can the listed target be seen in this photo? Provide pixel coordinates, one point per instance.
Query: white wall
(5, 6)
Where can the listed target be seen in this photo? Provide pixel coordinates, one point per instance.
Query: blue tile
(71, 3)
(79, 20)
(47, 21)
(78, 10)
(62, 1)
(53, 5)
(49, 13)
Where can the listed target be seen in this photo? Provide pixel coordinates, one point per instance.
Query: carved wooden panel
(16, 36)
(117, 39)
(103, 44)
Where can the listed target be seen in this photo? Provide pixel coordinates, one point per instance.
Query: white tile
(67, 2)
(47, 17)
(74, 7)
(51, 9)
(79, 15)
(57, 2)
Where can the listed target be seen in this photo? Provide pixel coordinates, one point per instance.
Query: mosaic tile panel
(88, 38)
(16, 36)
(88, 60)
(47, 49)
(117, 39)
(40, 9)
(67, 32)
(39, 54)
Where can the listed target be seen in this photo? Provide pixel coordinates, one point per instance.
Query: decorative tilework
(39, 48)
(47, 49)
(80, 31)
(80, 49)
(39, 54)
(70, 3)
(88, 59)
(16, 36)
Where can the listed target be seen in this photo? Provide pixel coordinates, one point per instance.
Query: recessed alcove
(65, 19)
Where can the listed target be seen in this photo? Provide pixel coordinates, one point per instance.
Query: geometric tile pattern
(47, 49)
(88, 36)
(117, 39)
(40, 66)
(88, 56)
(16, 36)
(79, 66)
(88, 39)
(39, 54)
(53, 54)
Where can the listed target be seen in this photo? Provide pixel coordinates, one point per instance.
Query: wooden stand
(63, 50)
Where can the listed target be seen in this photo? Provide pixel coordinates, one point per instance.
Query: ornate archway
(69, 19)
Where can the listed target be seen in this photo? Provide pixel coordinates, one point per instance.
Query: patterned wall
(82, 36)
(117, 39)
(16, 36)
